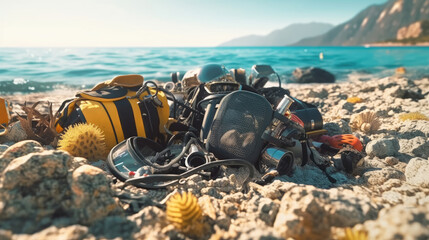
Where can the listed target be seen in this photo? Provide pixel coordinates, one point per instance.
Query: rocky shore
(49, 194)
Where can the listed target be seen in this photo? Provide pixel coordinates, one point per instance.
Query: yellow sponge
(351, 234)
(413, 116)
(354, 100)
(84, 140)
(185, 214)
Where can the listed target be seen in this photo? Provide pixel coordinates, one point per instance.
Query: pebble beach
(48, 194)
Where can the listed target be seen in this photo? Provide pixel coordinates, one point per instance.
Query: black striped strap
(150, 118)
(111, 122)
(126, 117)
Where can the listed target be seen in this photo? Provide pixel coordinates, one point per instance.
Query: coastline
(396, 44)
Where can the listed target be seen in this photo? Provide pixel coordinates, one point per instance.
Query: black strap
(110, 119)
(304, 145)
(126, 117)
(75, 116)
(280, 143)
(150, 118)
(178, 127)
(62, 119)
(281, 117)
(155, 181)
(64, 104)
(321, 166)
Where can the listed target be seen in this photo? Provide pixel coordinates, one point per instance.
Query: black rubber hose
(177, 158)
(173, 98)
(145, 182)
(280, 82)
(175, 137)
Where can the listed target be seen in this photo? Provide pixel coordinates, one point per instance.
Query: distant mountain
(374, 24)
(281, 37)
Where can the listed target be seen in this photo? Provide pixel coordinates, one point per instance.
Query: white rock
(383, 147)
(417, 172)
(416, 147)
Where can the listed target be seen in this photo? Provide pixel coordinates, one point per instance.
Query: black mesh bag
(238, 125)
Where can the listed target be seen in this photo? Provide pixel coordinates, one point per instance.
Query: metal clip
(156, 101)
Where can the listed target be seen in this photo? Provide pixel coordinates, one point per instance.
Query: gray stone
(318, 93)
(379, 176)
(416, 147)
(417, 172)
(35, 167)
(374, 162)
(343, 104)
(308, 174)
(148, 216)
(34, 188)
(400, 92)
(333, 128)
(389, 184)
(309, 213)
(267, 210)
(3, 148)
(92, 197)
(383, 147)
(400, 222)
(255, 232)
(113, 227)
(74, 232)
(390, 161)
(5, 234)
(229, 209)
(15, 133)
(77, 162)
(412, 129)
(17, 150)
(392, 197)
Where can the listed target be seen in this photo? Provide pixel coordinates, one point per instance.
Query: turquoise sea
(43, 69)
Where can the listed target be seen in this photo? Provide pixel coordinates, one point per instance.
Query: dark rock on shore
(312, 75)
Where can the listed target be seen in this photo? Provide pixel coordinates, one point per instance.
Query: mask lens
(127, 165)
(124, 162)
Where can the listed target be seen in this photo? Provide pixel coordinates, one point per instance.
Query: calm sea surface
(44, 69)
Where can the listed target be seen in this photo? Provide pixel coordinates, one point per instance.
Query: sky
(158, 23)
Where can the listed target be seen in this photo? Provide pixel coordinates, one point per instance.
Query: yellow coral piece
(351, 234)
(184, 213)
(365, 121)
(354, 100)
(400, 70)
(84, 140)
(413, 116)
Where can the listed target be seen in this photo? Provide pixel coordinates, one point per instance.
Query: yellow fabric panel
(111, 108)
(86, 96)
(138, 118)
(4, 112)
(95, 113)
(163, 112)
(132, 80)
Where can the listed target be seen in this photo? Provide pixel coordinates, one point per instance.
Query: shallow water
(42, 69)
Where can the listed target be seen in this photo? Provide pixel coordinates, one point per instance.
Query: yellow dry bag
(122, 107)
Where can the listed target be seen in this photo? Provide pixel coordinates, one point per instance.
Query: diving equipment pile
(212, 117)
